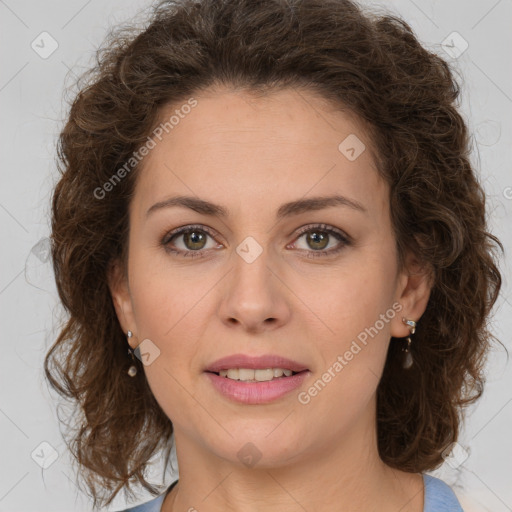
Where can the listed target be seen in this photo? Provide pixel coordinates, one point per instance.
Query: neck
(347, 475)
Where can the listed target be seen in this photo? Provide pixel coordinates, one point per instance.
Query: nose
(255, 297)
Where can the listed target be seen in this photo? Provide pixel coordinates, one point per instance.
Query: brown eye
(318, 238)
(189, 241)
(194, 240)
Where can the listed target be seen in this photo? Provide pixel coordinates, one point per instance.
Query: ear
(121, 297)
(414, 285)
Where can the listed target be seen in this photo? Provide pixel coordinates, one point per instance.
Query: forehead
(288, 143)
(290, 115)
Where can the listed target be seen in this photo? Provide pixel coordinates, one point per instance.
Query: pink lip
(264, 361)
(256, 392)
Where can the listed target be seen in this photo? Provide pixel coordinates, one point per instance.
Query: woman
(272, 204)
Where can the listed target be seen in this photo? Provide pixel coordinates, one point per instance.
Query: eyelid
(342, 237)
(189, 227)
(324, 227)
(299, 231)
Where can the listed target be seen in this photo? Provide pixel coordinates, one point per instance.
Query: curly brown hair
(370, 64)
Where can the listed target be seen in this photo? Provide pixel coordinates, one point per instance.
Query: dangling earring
(132, 371)
(408, 360)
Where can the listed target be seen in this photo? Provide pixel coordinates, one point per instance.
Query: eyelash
(339, 235)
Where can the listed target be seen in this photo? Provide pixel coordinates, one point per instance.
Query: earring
(408, 360)
(132, 371)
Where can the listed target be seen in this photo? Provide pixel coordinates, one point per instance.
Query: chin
(259, 449)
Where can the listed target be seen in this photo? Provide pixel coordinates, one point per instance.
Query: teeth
(250, 375)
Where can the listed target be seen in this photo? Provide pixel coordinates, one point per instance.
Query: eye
(194, 240)
(318, 238)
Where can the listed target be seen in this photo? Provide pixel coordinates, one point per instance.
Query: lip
(253, 393)
(255, 362)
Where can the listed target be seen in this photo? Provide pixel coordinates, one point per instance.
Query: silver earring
(132, 371)
(408, 360)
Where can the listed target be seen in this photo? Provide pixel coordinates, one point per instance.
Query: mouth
(259, 368)
(256, 374)
(258, 385)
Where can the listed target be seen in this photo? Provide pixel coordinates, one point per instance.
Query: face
(304, 283)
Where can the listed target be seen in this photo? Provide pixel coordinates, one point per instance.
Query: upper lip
(255, 362)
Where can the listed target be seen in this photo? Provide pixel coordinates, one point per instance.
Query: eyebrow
(285, 210)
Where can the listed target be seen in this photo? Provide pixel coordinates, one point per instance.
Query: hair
(366, 63)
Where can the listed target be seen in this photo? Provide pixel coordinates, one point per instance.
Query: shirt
(438, 498)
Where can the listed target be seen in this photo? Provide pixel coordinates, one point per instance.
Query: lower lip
(256, 392)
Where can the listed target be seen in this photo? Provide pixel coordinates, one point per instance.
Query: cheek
(352, 296)
(356, 311)
(164, 294)
(165, 307)
(352, 354)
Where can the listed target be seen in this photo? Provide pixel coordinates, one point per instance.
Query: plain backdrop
(43, 46)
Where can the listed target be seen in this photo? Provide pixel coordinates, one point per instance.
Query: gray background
(33, 108)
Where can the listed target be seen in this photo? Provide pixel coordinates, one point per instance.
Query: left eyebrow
(286, 210)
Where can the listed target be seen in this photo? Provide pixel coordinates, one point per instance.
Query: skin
(251, 155)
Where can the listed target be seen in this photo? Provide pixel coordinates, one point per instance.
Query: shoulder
(439, 497)
(154, 505)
